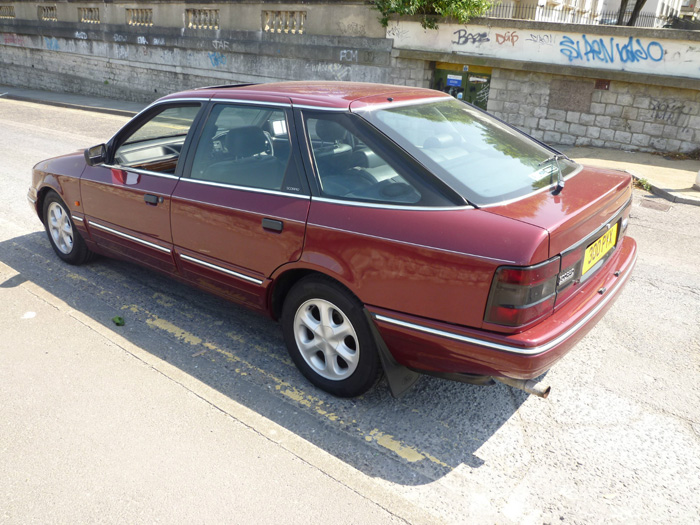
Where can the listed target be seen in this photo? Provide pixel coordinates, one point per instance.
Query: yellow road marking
(387, 441)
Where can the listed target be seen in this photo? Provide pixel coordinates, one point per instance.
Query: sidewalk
(668, 178)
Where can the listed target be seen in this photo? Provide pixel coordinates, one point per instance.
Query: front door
(127, 200)
(239, 211)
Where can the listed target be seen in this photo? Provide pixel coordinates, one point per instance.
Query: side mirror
(96, 155)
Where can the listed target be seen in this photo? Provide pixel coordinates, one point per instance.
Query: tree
(431, 10)
(638, 5)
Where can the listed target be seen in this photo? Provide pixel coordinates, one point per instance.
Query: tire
(328, 338)
(65, 240)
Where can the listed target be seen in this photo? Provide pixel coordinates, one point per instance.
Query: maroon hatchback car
(388, 228)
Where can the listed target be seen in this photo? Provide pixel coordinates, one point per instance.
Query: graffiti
(80, 35)
(221, 44)
(351, 29)
(349, 55)
(119, 38)
(51, 43)
(510, 36)
(597, 50)
(668, 112)
(628, 53)
(142, 41)
(13, 39)
(339, 71)
(158, 41)
(122, 53)
(541, 40)
(483, 95)
(397, 32)
(464, 37)
(217, 59)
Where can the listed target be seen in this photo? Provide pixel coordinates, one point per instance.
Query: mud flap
(400, 378)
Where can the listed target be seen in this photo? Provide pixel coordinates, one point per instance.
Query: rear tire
(65, 240)
(328, 337)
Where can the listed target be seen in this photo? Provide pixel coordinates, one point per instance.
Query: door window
(157, 144)
(349, 168)
(246, 146)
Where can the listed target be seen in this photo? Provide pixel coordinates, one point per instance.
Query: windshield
(484, 160)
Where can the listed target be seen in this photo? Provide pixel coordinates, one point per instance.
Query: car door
(239, 211)
(126, 201)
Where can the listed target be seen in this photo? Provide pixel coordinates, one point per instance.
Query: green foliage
(643, 184)
(430, 10)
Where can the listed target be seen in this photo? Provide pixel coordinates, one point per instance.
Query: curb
(665, 194)
(96, 109)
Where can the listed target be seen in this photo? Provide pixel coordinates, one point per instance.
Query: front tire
(328, 338)
(65, 240)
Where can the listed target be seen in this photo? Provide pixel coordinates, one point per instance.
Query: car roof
(317, 94)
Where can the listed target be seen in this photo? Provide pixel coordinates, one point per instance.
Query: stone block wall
(582, 112)
(410, 72)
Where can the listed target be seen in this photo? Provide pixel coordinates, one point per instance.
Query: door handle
(152, 199)
(272, 225)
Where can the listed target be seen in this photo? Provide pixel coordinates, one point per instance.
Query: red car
(388, 228)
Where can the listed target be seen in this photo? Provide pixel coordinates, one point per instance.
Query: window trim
(293, 148)
(399, 160)
(140, 120)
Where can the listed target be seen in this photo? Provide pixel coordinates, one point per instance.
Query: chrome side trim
(243, 188)
(443, 250)
(220, 269)
(535, 350)
(362, 204)
(140, 171)
(130, 237)
(76, 218)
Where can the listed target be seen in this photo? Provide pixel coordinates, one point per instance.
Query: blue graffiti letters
(598, 50)
(217, 59)
(52, 44)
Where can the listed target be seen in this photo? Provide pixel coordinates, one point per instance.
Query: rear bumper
(444, 348)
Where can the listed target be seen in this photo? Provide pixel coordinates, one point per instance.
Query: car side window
(245, 146)
(157, 144)
(348, 168)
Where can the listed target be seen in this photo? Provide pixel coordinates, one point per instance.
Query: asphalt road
(192, 411)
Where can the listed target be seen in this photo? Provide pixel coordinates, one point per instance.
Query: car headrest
(329, 131)
(246, 141)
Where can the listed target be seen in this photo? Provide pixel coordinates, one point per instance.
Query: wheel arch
(286, 280)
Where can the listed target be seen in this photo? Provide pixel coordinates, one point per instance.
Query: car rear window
(481, 158)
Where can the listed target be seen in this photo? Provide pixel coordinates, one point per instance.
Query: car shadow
(436, 427)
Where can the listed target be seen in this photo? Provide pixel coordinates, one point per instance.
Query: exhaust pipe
(529, 386)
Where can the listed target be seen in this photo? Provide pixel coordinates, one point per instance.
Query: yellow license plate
(596, 251)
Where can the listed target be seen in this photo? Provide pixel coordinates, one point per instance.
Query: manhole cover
(655, 205)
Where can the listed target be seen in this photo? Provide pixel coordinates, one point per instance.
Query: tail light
(522, 294)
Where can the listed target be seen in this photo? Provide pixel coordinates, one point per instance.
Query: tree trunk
(635, 12)
(621, 13)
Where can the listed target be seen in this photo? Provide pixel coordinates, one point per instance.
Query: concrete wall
(628, 88)
(141, 61)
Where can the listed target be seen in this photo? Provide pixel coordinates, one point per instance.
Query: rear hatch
(585, 220)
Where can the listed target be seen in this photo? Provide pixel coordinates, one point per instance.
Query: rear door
(239, 211)
(127, 200)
